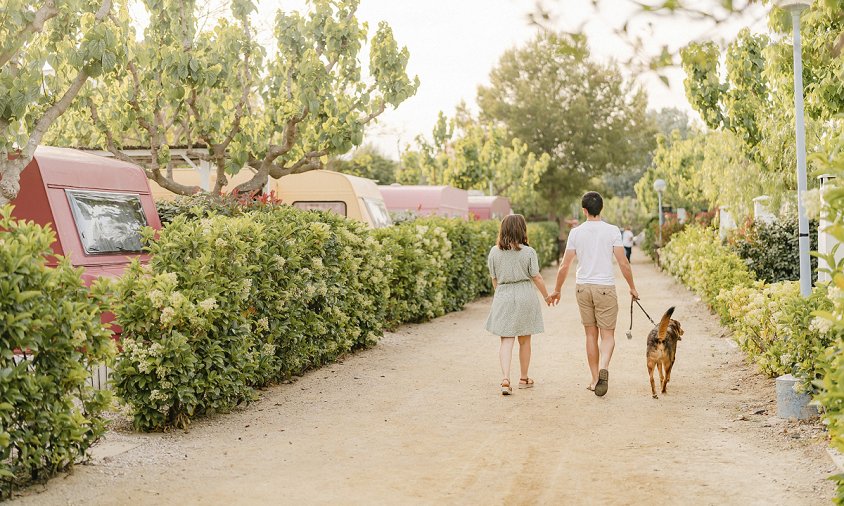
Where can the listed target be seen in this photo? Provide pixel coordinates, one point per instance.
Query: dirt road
(419, 419)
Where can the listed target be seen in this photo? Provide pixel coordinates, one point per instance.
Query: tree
(471, 155)
(703, 171)
(755, 101)
(367, 162)
(217, 93)
(583, 114)
(48, 51)
(671, 123)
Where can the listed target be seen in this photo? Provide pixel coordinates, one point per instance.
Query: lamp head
(659, 185)
(793, 5)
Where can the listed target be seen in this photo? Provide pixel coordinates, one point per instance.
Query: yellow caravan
(192, 177)
(351, 196)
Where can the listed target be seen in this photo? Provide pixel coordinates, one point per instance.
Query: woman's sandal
(506, 389)
(525, 383)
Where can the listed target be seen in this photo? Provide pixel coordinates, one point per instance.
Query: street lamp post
(659, 186)
(796, 7)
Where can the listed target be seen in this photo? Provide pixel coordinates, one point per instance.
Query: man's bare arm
(626, 270)
(562, 273)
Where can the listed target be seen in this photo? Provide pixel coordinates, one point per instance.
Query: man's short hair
(593, 203)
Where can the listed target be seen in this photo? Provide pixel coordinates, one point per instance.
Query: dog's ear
(664, 323)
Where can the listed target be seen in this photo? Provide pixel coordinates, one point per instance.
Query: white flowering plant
(50, 335)
(699, 260)
(189, 345)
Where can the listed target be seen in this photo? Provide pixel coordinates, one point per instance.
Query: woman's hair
(513, 232)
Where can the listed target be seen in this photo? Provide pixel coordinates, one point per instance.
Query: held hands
(553, 299)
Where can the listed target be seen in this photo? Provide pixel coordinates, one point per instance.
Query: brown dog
(662, 348)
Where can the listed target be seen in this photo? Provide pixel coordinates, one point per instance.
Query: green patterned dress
(516, 310)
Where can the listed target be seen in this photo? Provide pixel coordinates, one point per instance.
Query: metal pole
(800, 129)
(661, 217)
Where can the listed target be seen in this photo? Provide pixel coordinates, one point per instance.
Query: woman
(516, 312)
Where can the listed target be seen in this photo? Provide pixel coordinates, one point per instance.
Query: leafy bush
(468, 277)
(49, 416)
(778, 328)
(203, 204)
(188, 338)
(229, 303)
(771, 251)
(697, 257)
(544, 238)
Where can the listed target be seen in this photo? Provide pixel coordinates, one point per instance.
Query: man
(594, 243)
(627, 242)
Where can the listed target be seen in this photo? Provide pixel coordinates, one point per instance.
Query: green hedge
(544, 237)
(230, 303)
(779, 329)
(49, 416)
(697, 257)
(771, 251)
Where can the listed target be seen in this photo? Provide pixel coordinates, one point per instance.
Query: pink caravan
(482, 207)
(426, 200)
(96, 206)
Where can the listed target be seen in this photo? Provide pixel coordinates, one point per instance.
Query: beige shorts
(598, 305)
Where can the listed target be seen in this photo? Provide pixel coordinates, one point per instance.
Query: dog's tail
(664, 323)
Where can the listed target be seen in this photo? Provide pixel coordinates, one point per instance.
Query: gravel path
(418, 419)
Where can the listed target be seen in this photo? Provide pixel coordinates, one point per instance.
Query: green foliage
(419, 252)
(471, 155)
(544, 238)
(48, 50)
(771, 251)
(367, 162)
(703, 171)
(670, 226)
(49, 415)
(217, 91)
(755, 103)
(697, 258)
(779, 330)
(625, 211)
(230, 303)
(554, 97)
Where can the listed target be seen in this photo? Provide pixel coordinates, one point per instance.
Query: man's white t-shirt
(593, 241)
(627, 239)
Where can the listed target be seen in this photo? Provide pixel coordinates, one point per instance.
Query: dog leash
(630, 330)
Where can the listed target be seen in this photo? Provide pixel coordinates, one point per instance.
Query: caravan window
(107, 222)
(378, 212)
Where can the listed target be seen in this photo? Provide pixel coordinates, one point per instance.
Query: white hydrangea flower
(177, 299)
(78, 335)
(156, 297)
(316, 263)
(208, 304)
(820, 325)
(167, 315)
(263, 323)
(155, 349)
(157, 396)
(220, 243)
(279, 261)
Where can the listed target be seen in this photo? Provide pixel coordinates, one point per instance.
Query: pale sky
(454, 44)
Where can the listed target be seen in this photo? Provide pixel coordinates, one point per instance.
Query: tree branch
(47, 11)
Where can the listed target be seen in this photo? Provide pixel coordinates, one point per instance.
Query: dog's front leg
(651, 365)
